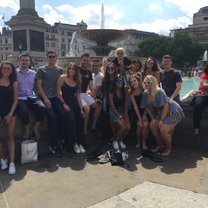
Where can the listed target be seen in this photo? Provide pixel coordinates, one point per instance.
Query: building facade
(198, 31)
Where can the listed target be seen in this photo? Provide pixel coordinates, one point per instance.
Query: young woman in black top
(68, 91)
(8, 104)
(118, 111)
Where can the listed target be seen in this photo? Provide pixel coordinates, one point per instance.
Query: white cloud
(51, 16)
(189, 8)
(155, 6)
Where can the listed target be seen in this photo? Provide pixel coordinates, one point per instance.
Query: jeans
(56, 121)
(199, 105)
(33, 104)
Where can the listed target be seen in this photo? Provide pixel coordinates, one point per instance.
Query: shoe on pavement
(54, 151)
(123, 146)
(82, 149)
(4, 164)
(12, 169)
(76, 148)
(115, 145)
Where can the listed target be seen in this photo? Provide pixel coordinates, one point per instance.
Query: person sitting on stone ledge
(8, 104)
(165, 114)
(27, 99)
(200, 101)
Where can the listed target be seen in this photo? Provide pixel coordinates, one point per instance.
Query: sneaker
(54, 151)
(12, 169)
(123, 146)
(4, 164)
(82, 149)
(76, 148)
(115, 145)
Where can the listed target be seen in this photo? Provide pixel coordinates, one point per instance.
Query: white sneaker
(123, 146)
(12, 169)
(76, 148)
(82, 149)
(115, 145)
(4, 164)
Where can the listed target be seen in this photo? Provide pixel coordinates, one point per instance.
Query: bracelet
(171, 98)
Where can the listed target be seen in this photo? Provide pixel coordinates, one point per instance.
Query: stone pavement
(71, 182)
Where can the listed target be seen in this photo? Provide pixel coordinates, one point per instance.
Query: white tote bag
(29, 151)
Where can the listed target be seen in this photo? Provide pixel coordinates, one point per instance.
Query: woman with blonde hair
(165, 114)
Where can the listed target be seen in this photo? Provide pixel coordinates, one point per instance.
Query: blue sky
(157, 16)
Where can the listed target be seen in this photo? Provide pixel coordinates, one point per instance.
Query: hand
(155, 122)
(139, 123)
(8, 118)
(160, 123)
(66, 107)
(47, 103)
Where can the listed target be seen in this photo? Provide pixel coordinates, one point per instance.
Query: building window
(47, 44)
(47, 36)
(63, 40)
(69, 33)
(6, 41)
(53, 37)
(63, 46)
(63, 53)
(62, 32)
(53, 44)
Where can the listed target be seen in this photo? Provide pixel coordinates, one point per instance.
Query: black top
(127, 62)
(6, 96)
(169, 80)
(69, 94)
(86, 76)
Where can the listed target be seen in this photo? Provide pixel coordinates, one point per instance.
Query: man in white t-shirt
(97, 78)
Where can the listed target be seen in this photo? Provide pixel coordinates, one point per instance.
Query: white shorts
(86, 99)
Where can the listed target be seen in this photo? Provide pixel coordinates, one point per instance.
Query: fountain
(204, 61)
(98, 39)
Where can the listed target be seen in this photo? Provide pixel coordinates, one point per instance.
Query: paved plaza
(180, 181)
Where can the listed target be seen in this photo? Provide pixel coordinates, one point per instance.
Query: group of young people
(127, 92)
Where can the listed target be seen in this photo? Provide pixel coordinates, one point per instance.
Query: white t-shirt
(97, 79)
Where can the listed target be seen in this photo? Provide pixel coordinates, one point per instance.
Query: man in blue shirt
(27, 99)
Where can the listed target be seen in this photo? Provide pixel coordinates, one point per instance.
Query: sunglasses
(147, 82)
(51, 56)
(120, 81)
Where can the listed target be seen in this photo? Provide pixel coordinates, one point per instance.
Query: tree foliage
(182, 48)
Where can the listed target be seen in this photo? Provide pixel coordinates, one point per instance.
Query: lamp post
(20, 47)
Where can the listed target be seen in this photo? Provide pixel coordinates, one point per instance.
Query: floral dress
(175, 113)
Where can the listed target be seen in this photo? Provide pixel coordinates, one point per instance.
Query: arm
(112, 106)
(177, 90)
(135, 107)
(41, 92)
(58, 88)
(91, 88)
(14, 104)
(80, 104)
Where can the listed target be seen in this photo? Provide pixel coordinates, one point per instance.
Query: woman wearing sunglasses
(165, 114)
(118, 112)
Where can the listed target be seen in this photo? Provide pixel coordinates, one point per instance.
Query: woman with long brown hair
(68, 91)
(8, 104)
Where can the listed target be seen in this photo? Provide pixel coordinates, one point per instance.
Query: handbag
(29, 151)
(188, 98)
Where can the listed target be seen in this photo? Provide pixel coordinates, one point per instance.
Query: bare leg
(10, 139)
(96, 114)
(166, 132)
(156, 133)
(1, 151)
(36, 130)
(86, 110)
(26, 133)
